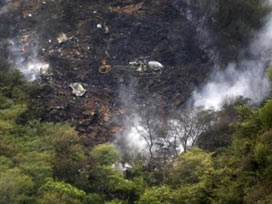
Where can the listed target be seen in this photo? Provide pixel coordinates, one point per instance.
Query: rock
(77, 89)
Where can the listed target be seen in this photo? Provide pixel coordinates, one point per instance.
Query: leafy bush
(105, 154)
(15, 187)
(265, 114)
(157, 195)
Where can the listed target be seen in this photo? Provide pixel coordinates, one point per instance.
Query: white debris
(62, 38)
(99, 25)
(155, 65)
(122, 167)
(32, 69)
(133, 63)
(77, 89)
(44, 69)
(29, 15)
(107, 29)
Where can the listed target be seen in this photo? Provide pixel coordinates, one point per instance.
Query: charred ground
(118, 31)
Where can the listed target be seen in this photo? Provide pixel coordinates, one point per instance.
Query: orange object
(104, 67)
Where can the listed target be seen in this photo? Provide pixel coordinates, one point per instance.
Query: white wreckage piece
(77, 89)
(44, 69)
(62, 38)
(122, 167)
(154, 65)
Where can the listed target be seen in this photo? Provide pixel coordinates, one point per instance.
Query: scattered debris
(144, 67)
(122, 166)
(104, 67)
(73, 48)
(62, 38)
(129, 9)
(105, 111)
(107, 29)
(154, 65)
(77, 89)
(44, 69)
(116, 129)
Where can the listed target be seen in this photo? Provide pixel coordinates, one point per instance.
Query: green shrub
(105, 154)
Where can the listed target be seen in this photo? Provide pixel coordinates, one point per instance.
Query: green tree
(60, 192)
(15, 187)
(265, 114)
(192, 167)
(109, 181)
(70, 156)
(157, 195)
(105, 154)
(192, 177)
(37, 165)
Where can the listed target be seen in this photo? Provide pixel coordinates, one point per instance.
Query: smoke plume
(3, 6)
(25, 59)
(23, 48)
(246, 78)
(129, 139)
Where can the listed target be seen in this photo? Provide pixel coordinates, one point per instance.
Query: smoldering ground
(246, 78)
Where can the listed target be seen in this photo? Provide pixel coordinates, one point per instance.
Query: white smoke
(4, 8)
(32, 69)
(246, 78)
(132, 137)
(130, 140)
(24, 50)
(27, 61)
(197, 12)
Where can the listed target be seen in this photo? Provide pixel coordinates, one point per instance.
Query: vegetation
(46, 163)
(227, 160)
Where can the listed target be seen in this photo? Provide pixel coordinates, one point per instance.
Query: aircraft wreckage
(139, 67)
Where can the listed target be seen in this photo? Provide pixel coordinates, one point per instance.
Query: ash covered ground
(72, 38)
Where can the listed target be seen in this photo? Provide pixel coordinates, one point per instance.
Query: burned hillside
(71, 40)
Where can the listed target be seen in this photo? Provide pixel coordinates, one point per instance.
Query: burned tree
(147, 130)
(186, 127)
(149, 126)
(166, 137)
